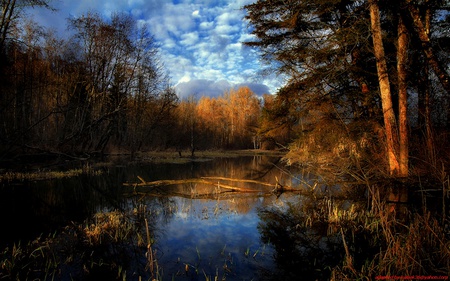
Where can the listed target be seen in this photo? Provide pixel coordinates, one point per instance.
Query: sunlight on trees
(228, 121)
(367, 87)
(353, 72)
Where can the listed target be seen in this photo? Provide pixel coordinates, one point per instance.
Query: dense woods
(368, 87)
(356, 186)
(368, 80)
(102, 88)
(105, 90)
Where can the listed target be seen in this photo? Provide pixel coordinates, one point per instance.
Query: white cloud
(196, 13)
(189, 38)
(202, 87)
(206, 25)
(200, 40)
(206, 87)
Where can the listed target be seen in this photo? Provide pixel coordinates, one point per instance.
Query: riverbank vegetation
(104, 90)
(367, 82)
(366, 102)
(329, 233)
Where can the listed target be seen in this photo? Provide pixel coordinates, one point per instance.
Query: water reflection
(214, 238)
(198, 231)
(303, 247)
(193, 237)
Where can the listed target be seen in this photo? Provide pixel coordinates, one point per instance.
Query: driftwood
(276, 187)
(239, 180)
(185, 181)
(208, 180)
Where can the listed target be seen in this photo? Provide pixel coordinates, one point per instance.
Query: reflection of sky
(210, 234)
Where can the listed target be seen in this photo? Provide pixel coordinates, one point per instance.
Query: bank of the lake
(217, 216)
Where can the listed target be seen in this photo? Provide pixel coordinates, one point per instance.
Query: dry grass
(174, 156)
(46, 175)
(418, 246)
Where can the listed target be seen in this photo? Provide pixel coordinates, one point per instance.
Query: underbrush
(410, 243)
(110, 246)
(332, 236)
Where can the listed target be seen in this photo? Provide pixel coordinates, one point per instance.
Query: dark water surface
(198, 232)
(203, 231)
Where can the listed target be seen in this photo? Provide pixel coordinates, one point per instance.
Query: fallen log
(186, 181)
(277, 186)
(240, 180)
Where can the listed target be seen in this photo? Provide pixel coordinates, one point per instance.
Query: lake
(224, 218)
(198, 230)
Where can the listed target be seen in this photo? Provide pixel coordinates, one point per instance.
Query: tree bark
(402, 59)
(421, 31)
(390, 123)
(6, 18)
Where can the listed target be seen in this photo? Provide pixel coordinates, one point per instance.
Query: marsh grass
(48, 174)
(105, 246)
(412, 246)
(111, 245)
(202, 155)
(334, 238)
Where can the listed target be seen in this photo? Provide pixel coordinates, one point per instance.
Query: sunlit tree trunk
(402, 59)
(390, 123)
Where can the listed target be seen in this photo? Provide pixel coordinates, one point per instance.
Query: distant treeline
(368, 87)
(105, 90)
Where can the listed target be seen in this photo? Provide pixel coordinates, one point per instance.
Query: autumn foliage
(228, 121)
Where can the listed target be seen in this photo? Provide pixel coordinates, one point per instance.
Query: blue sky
(200, 40)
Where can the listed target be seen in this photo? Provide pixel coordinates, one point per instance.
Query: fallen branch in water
(239, 180)
(185, 181)
(277, 186)
(206, 180)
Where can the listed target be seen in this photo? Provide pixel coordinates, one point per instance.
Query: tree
(348, 61)
(119, 63)
(103, 89)
(402, 62)
(12, 10)
(323, 47)
(244, 110)
(390, 123)
(187, 125)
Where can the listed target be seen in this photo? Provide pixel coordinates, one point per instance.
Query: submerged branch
(239, 180)
(207, 180)
(185, 181)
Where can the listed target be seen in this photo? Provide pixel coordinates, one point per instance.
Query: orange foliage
(228, 121)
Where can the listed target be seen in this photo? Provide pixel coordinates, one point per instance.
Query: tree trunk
(421, 30)
(424, 114)
(5, 20)
(402, 59)
(386, 98)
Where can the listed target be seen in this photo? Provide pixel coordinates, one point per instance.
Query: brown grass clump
(417, 247)
(108, 227)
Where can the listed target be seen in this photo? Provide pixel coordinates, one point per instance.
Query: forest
(368, 87)
(104, 90)
(348, 160)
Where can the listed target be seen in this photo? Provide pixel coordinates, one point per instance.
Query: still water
(199, 231)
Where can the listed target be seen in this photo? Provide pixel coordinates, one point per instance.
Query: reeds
(103, 245)
(412, 247)
(48, 174)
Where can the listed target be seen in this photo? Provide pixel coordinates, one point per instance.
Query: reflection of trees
(301, 249)
(318, 234)
(324, 238)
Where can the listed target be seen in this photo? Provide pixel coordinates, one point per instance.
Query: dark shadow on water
(198, 233)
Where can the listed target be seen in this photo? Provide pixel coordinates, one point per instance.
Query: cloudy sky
(201, 40)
